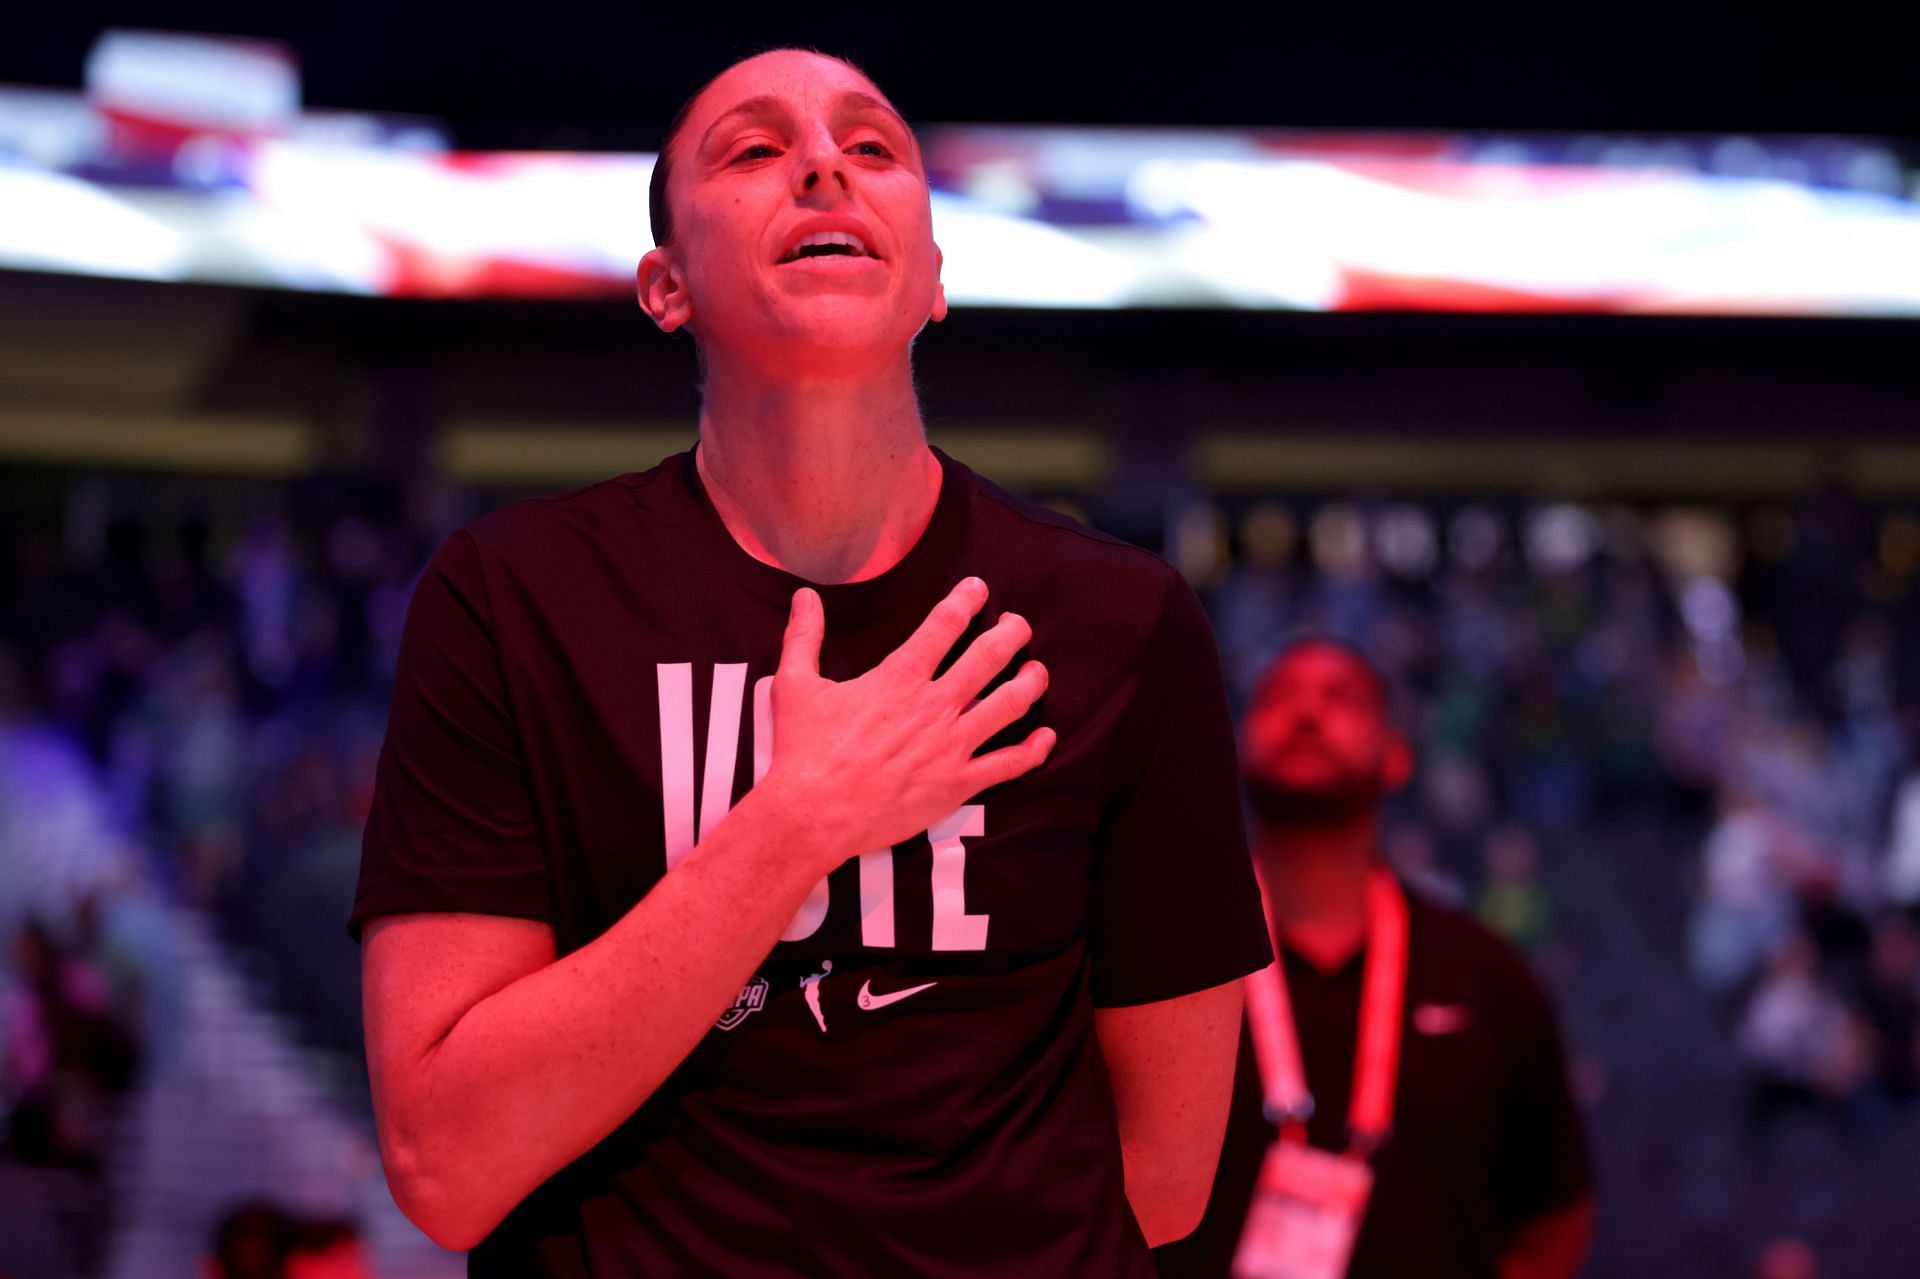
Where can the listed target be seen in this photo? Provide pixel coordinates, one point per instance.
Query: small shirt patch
(752, 998)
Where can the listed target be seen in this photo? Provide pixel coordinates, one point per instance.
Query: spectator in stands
(123, 982)
(1786, 1258)
(1800, 1040)
(1256, 601)
(1745, 911)
(1890, 1004)
(257, 1239)
(252, 1241)
(1900, 868)
(1841, 936)
(65, 1056)
(1513, 901)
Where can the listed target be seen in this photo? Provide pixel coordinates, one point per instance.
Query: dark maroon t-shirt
(582, 688)
(1485, 1134)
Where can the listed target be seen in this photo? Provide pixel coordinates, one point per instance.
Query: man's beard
(1338, 803)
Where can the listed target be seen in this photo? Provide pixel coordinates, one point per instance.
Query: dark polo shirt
(1485, 1134)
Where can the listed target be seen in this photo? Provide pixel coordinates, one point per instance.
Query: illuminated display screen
(1026, 216)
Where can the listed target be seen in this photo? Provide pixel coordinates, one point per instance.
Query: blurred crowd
(1754, 676)
(1750, 677)
(225, 673)
(72, 1023)
(74, 1013)
(228, 677)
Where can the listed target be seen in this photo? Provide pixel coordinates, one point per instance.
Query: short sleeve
(451, 827)
(1176, 908)
(1543, 1163)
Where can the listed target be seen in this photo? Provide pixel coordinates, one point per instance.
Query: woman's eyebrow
(764, 106)
(853, 102)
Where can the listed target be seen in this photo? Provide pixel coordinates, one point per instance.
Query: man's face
(783, 147)
(1316, 746)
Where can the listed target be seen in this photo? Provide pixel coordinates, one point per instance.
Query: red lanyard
(1376, 1063)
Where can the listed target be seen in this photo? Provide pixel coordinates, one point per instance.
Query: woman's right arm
(494, 1065)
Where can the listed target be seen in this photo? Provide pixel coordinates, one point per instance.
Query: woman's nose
(819, 169)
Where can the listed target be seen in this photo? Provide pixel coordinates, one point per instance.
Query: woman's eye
(758, 151)
(872, 148)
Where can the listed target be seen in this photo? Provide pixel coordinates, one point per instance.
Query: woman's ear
(662, 290)
(939, 289)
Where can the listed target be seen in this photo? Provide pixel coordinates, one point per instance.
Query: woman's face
(780, 150)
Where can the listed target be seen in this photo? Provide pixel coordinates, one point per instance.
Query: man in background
(1400, 1105)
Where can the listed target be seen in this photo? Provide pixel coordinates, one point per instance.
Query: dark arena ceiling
(609, 76)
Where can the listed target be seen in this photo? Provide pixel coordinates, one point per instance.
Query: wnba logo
(752, 998)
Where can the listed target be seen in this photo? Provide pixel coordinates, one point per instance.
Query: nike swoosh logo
(1441, 1019)
(870, 1001)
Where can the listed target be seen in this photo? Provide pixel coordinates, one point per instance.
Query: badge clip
(1297, 1113)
